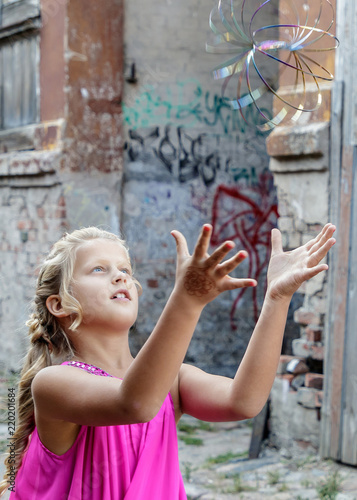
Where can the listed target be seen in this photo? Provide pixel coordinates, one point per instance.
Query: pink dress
(122, 462)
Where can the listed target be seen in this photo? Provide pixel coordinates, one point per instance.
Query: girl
(96, 424)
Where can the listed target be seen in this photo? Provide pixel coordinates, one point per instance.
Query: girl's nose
(120, 276)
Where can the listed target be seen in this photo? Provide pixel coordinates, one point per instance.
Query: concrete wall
(65, 171)
(300, 162)
(190, 159)
(184, 158)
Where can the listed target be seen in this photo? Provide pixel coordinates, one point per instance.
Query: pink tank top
(123, 462)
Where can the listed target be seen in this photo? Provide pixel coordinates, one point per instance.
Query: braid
(37, 358)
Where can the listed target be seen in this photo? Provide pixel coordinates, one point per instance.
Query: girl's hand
(288, 270)
(202, 276)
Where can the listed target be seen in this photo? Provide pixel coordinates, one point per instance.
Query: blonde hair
(49, 343)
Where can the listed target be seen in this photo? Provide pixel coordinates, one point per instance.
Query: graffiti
(189, 105)
(246, 218)
(187, 156)
(194, 134)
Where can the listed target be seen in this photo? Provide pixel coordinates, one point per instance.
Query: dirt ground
(215, 466)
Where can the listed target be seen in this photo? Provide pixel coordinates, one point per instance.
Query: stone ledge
(307, 140)
(29, 163)
(38, 136)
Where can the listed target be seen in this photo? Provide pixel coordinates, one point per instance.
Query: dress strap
(88, 368)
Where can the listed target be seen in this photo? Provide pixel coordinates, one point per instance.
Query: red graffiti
(246, 216)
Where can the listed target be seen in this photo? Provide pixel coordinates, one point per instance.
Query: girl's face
(104, 286)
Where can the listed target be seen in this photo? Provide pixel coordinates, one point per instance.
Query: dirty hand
(202, 276)
(288, 270)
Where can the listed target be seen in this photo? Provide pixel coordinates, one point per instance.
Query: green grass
(226, 457)
(205, 426)
(188, 428)
(187, 470)
(283, 488)
(306, 483)
(273, 477)
(190, 440)
(192, 428)
(328, 490)
(187, 431)
(238, 486)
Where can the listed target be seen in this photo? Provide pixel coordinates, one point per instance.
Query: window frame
(20, 23)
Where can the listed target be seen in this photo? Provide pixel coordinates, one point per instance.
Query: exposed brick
(306, 397)
(314, 380)
(284, 360)
(152, 283)
(60, 213)
(286, 376)
(297, 367)
(61, 201)
(306, 349)
(22, 225)
(32, 235)
(313, 333)
(317, 351)
(286, 224)
(306, 317)
(41, 212)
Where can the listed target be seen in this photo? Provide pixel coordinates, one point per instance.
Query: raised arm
(219, 398)
(88, 400)
(199, 279)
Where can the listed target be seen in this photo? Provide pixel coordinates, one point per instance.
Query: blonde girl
(96, 424)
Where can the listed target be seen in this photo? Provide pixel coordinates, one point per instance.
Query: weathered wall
(300, 162)
(190, 159)
(66, 171)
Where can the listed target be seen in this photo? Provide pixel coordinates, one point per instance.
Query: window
(19, 58)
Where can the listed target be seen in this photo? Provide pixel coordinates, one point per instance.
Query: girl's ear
(54, 305)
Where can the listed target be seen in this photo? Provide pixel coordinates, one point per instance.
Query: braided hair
(49, 343)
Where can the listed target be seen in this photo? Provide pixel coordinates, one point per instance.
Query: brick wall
(65, 171)
(300, 165)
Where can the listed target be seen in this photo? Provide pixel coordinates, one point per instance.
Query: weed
(306, 483)
(328, 489)
(187, 470)
(226, 457)
(188, 428)
(205, 426)
(238, 486)
(283, 487)
(189, 440)
(309, 459)
(191, 428)
(273, 477)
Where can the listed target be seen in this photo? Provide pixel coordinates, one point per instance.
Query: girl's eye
(97, 269)
(126, 271)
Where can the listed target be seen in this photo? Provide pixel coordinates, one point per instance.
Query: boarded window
(19, 57)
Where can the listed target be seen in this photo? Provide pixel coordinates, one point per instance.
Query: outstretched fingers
(320, 249)
(223, 270)
(201, 248)
(181, 245)
(326, 233)
(208, 272)
(229, 265)
(276, 241)
(234, 283)
(219, 254)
